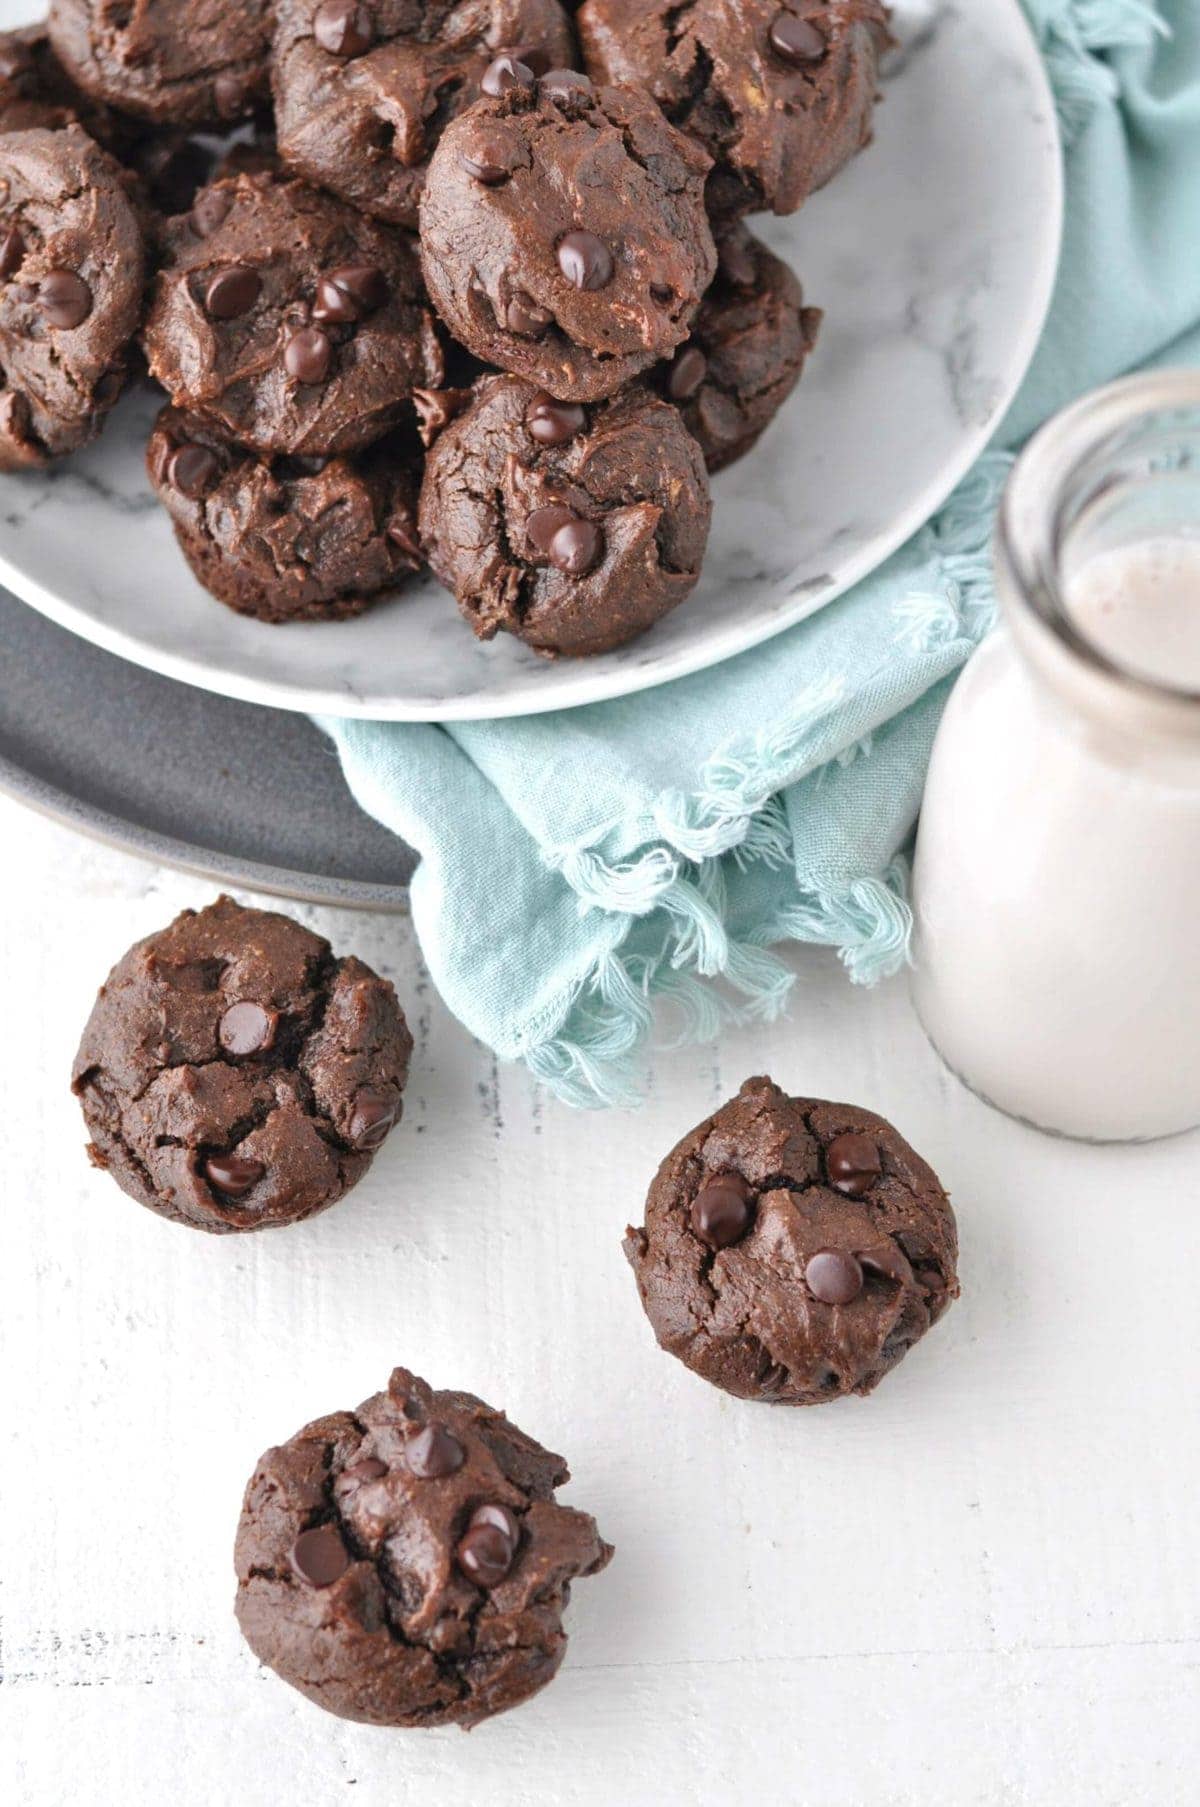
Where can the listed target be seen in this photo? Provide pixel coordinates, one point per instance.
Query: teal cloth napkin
(588, 874)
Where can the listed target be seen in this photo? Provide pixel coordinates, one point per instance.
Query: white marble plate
(933, 256)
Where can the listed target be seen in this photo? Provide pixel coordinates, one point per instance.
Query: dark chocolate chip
(554, 423)
(190, 469)
(308, 355)
(232, 292)
(585, 260)
(887, 1260)
(403, 536)
(833, 1276)
(504, 74)
(64, 298)
(12, 250)
(350, 293)
(853, 1164)
(246, 1028)
(723, 1210)
(233, 1174)
(319, 1556)
(108, 387)
(369, 1469)
(485, 1551)
(532, 55)
(544, 523)
(687, 374)
(374, 1114)
(210, 210)
(796, 41)
(565, 86)
(576, 548)
(524, 316)
(736, 260)
(434, 1453)
(492, 1513)
(489, 175)
(343, 28)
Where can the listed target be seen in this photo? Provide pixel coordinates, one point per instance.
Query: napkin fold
(593, 873)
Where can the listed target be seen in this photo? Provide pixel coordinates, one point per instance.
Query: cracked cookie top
(794, 1250)
(780, 95)
(574, 527)
(364, 88)
(289, 320)
(180, 62)
(563, 231)
(407, 1563)
(235, 1075)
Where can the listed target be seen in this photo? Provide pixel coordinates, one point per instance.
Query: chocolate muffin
(781, 96)
(563, 231)
(747, 351)
(289, 321)
(793, 1251)
(177, 62)
(364, 88)
(407, 1563)
(71, 279)
(573, 527)
(235, 1075)
(288, 539)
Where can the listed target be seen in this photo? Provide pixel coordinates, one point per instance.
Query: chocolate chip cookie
(563, 231)
(288, 539)
(71, 279)
(780, 95)
(288, 320)
(407, 1563)
(34, 90)
(793, 1250)
(574, 527)
(364, 88)
(235, 1075)
(747, 351)
(177, 62)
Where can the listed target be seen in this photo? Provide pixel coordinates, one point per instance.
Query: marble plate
(933, 256)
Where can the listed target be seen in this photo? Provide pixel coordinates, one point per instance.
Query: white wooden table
(978, 1586)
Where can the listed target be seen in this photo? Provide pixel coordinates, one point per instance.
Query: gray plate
(230, 790)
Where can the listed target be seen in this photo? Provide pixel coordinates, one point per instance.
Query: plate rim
(716, 648)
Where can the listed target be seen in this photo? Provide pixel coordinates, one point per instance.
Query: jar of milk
(1057, 878)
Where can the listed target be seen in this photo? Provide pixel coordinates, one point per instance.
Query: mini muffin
(235, 1074)
(574, 527)
(793, 1251)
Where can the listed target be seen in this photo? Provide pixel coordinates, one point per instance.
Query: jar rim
(1029, 524)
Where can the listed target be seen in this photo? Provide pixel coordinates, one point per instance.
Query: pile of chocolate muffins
(458, 283)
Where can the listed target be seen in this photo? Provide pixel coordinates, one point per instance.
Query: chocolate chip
(543, 523)
(736, 260)
(190, 469)
(12, 250)
(524, 316)
(403, 536)
(374, 1114)
(505, 74)
(232, 95)
(308, 355)
(833, 1276)
(108, 387)
(246, 1028)
(554, 423)
(350, 293)
(532, 55)
(853, 1164)
(369, 1469)
(576, 548)
(687, 374)
(343, 28)
(434, 1453)
(886, 1260)
(796, 41)
(64, 298)
(232, 292)
(233, 1174)
(319, 1556)
(566, 86)
(485, 1552)
(722, 1211)
(210, 210)
(490, 175)
(585, 260)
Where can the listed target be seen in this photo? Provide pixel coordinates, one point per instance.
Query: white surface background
(978, 1586)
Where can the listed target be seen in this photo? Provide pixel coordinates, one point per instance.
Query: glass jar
(1057, 879)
